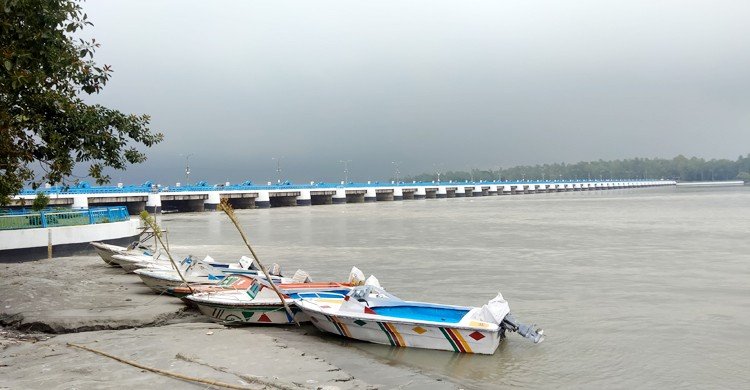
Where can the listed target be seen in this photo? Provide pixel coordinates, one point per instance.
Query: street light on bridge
(346, 169)
(278, 168)
(187, 167)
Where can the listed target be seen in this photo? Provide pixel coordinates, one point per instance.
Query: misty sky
(452, 84)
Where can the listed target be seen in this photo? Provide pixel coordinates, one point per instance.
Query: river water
(643, 288)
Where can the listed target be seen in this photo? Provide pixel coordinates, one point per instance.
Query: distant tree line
(679, 168)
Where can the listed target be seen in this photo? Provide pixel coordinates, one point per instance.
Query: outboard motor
(511, 323)
(497, 311)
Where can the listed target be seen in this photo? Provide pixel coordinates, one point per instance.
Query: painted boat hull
(408, 334)
(262, 314)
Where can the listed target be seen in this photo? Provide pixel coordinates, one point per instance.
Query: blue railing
(149, 188)
(54, 218)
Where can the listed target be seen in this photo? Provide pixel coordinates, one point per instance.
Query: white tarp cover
(494, 311)
(274, 270)
(301, 277)
(246, 262)
(356, 277)
(372, 281)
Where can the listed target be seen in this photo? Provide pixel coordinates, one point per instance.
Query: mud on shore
(48, 306)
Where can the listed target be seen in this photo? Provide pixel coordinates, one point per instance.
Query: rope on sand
(168, 373)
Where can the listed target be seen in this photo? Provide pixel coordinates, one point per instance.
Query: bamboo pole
(149, 220)
(229, 211)
(49, 243)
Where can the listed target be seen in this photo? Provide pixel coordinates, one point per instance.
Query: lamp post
(438, 170)
(187, 168)
(395, 167)
(346, 169)
(278, 168)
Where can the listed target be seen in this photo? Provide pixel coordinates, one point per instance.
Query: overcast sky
(452, 84)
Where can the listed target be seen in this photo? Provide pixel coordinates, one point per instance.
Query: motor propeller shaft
(512, 324)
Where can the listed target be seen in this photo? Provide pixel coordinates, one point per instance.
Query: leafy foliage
(43, 72)
(40, 202)
(679, 168)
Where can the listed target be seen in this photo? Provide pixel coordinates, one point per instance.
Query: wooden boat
(371, 314)
(259, 303)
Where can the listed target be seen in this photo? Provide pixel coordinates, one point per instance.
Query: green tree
(40, 202)
(44, 71)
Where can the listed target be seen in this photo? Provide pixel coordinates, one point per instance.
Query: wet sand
(47, 304)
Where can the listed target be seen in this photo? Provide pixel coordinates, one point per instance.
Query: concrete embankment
(82, 301)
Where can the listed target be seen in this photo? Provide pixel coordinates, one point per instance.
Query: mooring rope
(172, 374)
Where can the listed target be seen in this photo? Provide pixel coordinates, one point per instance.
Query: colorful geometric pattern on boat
(393, 336)
(455, 339)
(340, 326)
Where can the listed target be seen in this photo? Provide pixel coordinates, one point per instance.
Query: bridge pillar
(263, 201)
(80, 202)
(283, 198)
(442, 192)
(493, 190)
(371, 195)
(398, 193)
(355, 196)
(212, 202)
(420, 193)
(384, 195)
(477, 191)
(153, 204)
(460, 192)
(242, 203)
(322, 197)
(304, 198)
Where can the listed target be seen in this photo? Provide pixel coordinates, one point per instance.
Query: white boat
(107, 251)
(165, 280)
(260, 304)
(130, 263)
(371, 314)
(136, 248)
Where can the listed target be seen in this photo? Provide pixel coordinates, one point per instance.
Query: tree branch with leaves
(44, 71)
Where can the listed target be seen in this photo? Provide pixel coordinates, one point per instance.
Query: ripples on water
(642, 288)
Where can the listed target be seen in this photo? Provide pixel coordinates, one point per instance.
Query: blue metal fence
(53, 218)
(148, 187)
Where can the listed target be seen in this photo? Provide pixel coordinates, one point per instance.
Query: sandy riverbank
(47, 304)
